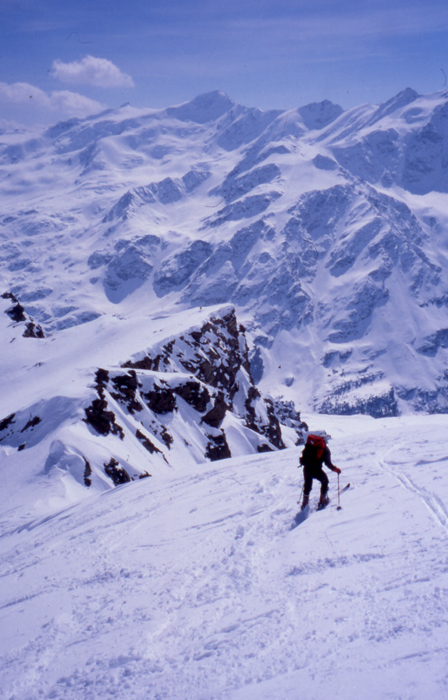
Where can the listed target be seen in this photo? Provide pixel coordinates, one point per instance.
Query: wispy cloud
(309, 33)
(364, 24)
(91, 70)
(59, 101)
(337, 26)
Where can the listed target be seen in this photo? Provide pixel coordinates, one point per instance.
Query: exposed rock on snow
(190, 398)
(404, 144)
(116, 472)
(217, 356)
(174, 272)
(378, 401)
(166, 191)
(17, 314)
(247, 208)
(236, 187)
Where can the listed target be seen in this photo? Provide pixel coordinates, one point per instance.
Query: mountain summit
(204, 108)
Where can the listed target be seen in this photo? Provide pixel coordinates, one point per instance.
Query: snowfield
(196, 585)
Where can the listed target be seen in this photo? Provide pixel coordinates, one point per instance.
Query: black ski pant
(315, 473)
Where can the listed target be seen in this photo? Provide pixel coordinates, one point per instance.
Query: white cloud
(91, 71)
(73, 103)
(62, 102)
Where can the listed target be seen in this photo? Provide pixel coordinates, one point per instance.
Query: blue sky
(72, 57)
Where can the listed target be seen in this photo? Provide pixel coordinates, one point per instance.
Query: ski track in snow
(431, 500)
(194, 586)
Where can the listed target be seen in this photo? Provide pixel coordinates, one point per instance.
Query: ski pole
(339, 496)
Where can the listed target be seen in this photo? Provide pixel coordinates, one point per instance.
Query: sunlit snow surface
(326, 231)
(194, 586)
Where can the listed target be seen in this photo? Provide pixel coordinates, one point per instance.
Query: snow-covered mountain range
(176, 287)
(324, 230)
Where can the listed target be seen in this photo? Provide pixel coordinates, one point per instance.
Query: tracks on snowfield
(432, 501)
(195, 586)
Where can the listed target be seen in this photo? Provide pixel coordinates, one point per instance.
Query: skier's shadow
(300, 517)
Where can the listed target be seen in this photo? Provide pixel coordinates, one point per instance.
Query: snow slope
(195, 587)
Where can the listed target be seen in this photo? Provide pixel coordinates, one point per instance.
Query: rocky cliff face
(188, 399)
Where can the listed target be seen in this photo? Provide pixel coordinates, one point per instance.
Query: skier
(315, 453)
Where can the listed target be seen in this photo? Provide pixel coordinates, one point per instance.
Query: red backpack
(318, 443)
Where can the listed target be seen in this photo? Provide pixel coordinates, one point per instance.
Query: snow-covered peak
(403, 142)
(204, 108)
(403, 99)
(318, 115)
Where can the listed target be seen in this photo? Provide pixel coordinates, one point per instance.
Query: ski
(322, 506)
(305, 512)
(339, 494)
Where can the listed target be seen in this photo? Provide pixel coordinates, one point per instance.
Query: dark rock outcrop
(116, 472)
(5, 423)
(87, 473)
(102, 420)
(31, 423)
(126, 386)
(194, 394)
(33, 330)
(17, 314)
(146, 442)
(148, 400)
(271, 429)
(161, 400)
(97, 415)
(217, 447)
(216, 415)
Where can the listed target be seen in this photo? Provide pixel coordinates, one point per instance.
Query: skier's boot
(305, 501)
(323, 501)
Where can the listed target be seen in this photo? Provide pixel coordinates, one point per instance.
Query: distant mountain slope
(325, 229)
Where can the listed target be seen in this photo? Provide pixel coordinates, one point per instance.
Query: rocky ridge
(190, 397)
